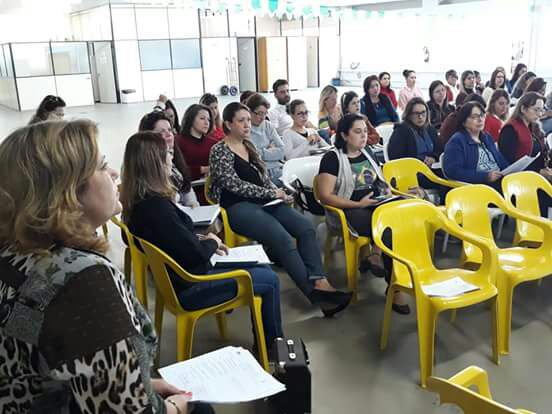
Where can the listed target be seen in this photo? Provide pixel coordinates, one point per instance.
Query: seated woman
(211, 101)
(449, 125)
(268, 143)
(73, 337)
(329, 112)
(300, 141)
(385, 83)
(519, 71)
(537, 85)
(438, 105)
(498, 81)
(240, 184)
(376, 106)
(350, 104)
(159, 123)
(471, 155)
(522, 134)
(51, 108)
(195, 141)
(546, 118)
(497, 113)
(521, 85)
(414, 137)
(150, 214)
(166, 106)
(467, 87)
(350, 179)
(410, 90)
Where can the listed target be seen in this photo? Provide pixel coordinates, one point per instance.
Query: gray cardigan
(269, 145)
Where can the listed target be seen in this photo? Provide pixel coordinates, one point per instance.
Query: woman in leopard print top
(73, 338)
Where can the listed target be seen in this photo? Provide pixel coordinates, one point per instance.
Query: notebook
(241, 256)
(202, 215)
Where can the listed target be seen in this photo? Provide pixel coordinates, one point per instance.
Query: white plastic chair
(304, 168)
(493, 213)
(385, 132)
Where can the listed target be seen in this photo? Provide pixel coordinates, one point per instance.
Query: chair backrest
(385, 132)
(521, 190)
(469, 207)
(468, 400)
(159, 263)
(402, 174)
(304, 168)
(411, 222)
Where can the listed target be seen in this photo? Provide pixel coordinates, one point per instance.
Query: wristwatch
(171, 402)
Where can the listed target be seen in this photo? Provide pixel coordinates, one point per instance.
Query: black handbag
(291, 367)
(304, 198)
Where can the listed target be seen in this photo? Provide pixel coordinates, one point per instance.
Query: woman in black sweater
(375, 105)
(151, 214)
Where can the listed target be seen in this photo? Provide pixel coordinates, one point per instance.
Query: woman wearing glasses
(522, 135)
(300, 141)
(268, 143)
(471, 155)
(414, 137)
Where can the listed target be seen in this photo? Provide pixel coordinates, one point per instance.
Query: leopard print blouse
(224, 176)
(73, 337)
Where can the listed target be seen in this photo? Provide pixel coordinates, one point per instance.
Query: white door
(297, 62)
(103, 59)
(219, 63)
(247, 66)
(276, 59)
(312, 62)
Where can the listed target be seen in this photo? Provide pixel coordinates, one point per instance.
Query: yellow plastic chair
(352, 243)
(186, 320)
(468, 207)
(523, 187)
(412, 223)
(135, 263)
(231, 238)
(456, 390)
(402, 174)
(105, 231)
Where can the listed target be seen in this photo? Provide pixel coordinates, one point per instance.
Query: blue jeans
(265, 284)
(279, 227)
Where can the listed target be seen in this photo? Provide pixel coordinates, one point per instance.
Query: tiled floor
(350, 374)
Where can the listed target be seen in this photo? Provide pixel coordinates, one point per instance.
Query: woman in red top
(497, 113)
(385, 84)
(195, 143)
(211, 101)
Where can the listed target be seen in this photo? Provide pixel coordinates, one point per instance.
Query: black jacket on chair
(402, 143)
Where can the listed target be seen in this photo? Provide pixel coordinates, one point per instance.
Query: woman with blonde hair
(329, 112)
(72, 333)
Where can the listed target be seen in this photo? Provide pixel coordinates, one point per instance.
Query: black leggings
(360, 219)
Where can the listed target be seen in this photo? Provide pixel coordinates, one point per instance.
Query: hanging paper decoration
(272, 6)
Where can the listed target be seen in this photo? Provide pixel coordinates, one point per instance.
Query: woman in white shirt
(300, 141)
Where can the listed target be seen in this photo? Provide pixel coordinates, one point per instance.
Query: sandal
(366, 265)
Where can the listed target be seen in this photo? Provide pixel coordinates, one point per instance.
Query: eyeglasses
(302, 114)
(475, 117)
(420, 114)
(260, 114)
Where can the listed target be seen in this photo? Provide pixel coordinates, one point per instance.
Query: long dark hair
(207, 99)
(228, 115)
(463, 78)
(344, 125)
(516, 74)
(497, 94)
(190, 116)
(434, 85)
(147, 123)
(410, 108)
(47, 105)
(536, 85)
(170, 105)
(492, 82)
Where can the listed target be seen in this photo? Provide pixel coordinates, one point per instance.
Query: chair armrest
(544, 224)
(489, 261)
(473, 376)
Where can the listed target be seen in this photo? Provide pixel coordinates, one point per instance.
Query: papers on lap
(455, 286)
(519, 165)
(241, 256)
(202, 215)
(228, 375)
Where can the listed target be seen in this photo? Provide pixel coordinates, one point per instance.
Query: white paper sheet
(227, 375)
(254, 254)
(202, 215)
(198, 182)
(455, 286)
(436, 166)
(519, 165)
